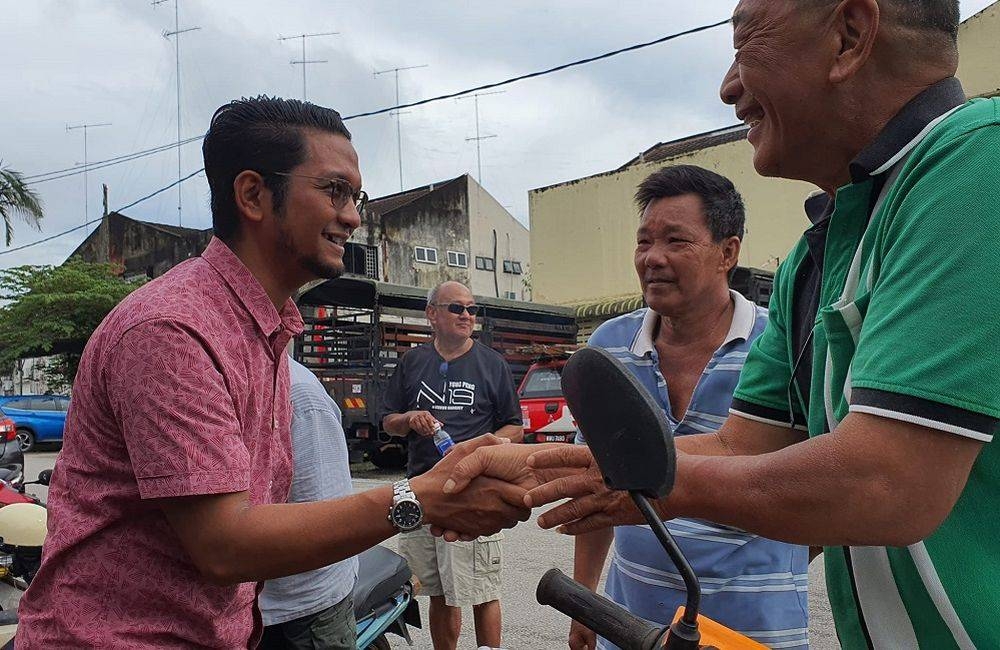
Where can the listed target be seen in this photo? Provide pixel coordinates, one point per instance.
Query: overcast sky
(74, 62)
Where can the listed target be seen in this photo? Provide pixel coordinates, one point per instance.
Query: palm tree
(17, 199)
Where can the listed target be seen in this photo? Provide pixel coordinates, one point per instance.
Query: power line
(89, 223)
(139, 154)
(540, 73)
(45, 177)
(161, 190)
(50, 238)
(505, 82)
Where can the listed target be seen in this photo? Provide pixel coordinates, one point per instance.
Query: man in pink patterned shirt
(167, 501)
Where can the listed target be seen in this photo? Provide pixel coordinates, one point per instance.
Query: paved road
(529, 552)
(528, 625)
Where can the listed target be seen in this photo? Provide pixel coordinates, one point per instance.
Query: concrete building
(444, 231)
(140, 247)
(582, 231)
(454, 230)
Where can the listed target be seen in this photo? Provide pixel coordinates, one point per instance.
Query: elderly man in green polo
(865, 412)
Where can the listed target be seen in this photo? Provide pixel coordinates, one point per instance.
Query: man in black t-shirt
(468, 389)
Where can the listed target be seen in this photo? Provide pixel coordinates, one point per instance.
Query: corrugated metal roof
(610, 307)
(386, 204)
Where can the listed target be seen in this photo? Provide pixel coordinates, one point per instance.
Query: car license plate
(554, 438)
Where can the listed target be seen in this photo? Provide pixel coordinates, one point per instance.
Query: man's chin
(325, 270)
(659, 303)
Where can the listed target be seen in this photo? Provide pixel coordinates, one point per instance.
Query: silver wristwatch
(406, 513)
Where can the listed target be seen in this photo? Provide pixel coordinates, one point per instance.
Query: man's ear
(253, 197)
(730, 248)
(856, 24)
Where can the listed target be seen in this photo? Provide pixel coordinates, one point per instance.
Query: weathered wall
(487, 216)
(438, 220)
(143, 249)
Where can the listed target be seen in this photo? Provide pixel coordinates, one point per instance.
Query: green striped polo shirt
(917, 340)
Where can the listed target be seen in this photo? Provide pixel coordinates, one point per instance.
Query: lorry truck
(357, 329)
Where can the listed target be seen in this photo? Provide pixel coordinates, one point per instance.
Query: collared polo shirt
(182, 390)
(749, 583)
(914, 338)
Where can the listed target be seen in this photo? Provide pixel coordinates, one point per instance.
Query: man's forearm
(833, 489)
(397, 424)
(230, 540)
(589, 554)
(268, 541)
(740, 436)
(513, 432)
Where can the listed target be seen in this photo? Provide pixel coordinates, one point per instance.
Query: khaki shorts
(465, 573)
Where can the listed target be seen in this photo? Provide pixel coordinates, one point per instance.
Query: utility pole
(399, 136)
(305, 62)
(86, 181)
(480, 138)
(177, 52)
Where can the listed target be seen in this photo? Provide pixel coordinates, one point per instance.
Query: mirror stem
(690, 618)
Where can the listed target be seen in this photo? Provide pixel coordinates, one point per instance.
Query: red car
(543, 409)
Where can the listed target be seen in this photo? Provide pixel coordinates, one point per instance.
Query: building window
(425, 255)
(510, 295)
(511, 266)
(458, 259)
(485, 263)
(361, 259)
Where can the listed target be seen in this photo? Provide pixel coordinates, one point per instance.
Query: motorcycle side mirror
(45, 477)
(626, 430)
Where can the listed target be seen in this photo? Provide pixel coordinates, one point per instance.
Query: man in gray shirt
(313, 609)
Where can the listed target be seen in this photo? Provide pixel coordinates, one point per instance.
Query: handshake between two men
(488, 484)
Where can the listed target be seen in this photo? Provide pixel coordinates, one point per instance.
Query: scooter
(633, 444)
(22, 532)
(384, 598)
(12, 475)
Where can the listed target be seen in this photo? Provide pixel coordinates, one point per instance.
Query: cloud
(83, 62)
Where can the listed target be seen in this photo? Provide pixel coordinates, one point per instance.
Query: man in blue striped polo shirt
(687, 348)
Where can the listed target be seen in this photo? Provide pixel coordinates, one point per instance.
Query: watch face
(407, 514)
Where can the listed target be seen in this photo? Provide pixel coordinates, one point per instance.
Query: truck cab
(543, 409)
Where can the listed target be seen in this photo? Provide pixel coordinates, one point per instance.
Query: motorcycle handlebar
(599, 614)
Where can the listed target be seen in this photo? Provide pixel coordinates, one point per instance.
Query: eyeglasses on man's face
(341, 192)
(457, 308)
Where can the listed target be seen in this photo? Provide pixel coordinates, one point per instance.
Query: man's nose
(349, 216)
(655, 257)
(732, 88)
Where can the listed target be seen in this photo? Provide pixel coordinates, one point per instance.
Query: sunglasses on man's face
(457, 308)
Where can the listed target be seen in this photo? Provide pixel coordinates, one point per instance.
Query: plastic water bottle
(442, 440)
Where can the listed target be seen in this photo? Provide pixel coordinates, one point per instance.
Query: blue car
(39, 418)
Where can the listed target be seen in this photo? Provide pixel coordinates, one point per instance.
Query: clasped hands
(487, 484)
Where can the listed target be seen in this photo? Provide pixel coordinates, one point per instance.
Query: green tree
(17, 199)
(53, 310)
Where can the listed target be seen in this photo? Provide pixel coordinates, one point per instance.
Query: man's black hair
(724, 212)
(935, 16)
(932, 16)
(263, 134)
